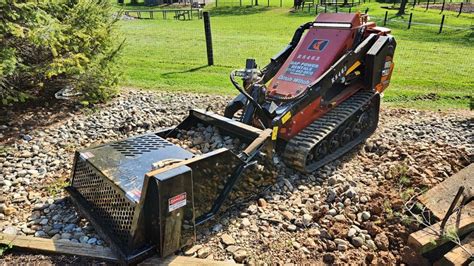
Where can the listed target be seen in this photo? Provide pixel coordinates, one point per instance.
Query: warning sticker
(134, 194)
(177, 202)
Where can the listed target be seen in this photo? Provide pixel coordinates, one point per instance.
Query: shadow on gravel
(21, 118)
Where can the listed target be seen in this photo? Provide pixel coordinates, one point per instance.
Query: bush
(46, 46)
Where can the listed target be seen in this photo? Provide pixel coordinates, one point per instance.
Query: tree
(46, 46)
(401, 10)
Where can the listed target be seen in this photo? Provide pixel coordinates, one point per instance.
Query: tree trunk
(401, 10)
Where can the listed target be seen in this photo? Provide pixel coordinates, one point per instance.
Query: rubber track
(299, 147)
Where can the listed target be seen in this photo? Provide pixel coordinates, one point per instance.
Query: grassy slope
(170, 55)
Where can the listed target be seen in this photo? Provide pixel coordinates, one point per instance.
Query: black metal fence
(298, 4)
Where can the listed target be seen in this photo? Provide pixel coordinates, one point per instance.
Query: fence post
(207, 32)
(366, 11)
(409, 20)
(350, 9)
(414, 3)
(427, 4)
(385, 19)
(442, 7)
(336, 8)
(325, 7)
(268, 3)
(216, 3)
(281, 3)
(240, 3)
(441, 26)
(460, 9)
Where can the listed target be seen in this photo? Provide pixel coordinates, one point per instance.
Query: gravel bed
(342, 213)
(37, 163)
(204, 139)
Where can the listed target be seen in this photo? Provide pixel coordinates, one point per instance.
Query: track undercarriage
(337, 132)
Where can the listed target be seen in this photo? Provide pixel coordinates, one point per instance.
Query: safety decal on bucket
(177, 202)
(85, 155)
(134, 194)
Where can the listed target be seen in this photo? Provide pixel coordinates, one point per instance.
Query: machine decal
(301, 69)
(339, 74)
(318, 45)
(308, 57)
(353, 67)
(285, 117)
(177, 202)
(295, 80)
(274, 133)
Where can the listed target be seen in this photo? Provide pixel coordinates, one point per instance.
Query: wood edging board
(457, 255)
(427, 238)
(183, 261)
(92, 251)
(58, 246)
(439, 198)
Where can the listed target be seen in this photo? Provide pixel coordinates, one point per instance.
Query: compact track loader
(317, 99)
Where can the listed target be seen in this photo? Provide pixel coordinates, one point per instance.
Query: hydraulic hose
(241, 90)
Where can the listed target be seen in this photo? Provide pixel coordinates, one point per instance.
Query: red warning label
(177, 202)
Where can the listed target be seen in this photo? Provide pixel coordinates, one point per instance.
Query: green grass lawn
(171, 55)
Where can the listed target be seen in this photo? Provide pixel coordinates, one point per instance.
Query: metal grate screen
(113, 209)
(140, 145)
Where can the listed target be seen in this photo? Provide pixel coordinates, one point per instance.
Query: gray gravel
(328, 215)
(37, 165)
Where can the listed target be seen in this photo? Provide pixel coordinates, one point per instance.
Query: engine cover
(315, 53)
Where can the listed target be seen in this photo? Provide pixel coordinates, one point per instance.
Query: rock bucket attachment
(146, 195)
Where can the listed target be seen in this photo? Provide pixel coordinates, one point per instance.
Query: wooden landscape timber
(55, 246)
(184, 261)
(91, 251)
(439, 200)
(428, 238)
(459, 256)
